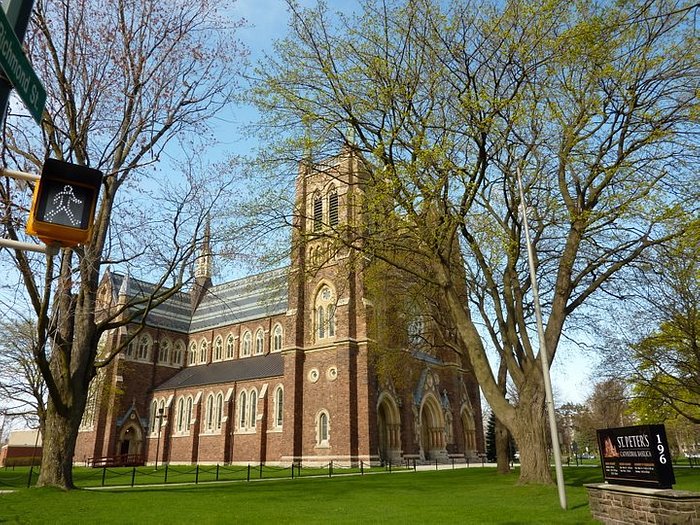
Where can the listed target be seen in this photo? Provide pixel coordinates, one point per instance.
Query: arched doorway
(469, 431)
(130, 441)
(389, 429)
(432, 425)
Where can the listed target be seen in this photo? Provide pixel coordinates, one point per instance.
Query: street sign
(19, 71)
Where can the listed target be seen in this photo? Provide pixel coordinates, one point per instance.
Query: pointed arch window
(333, 207)
(259, 342)
(277, 338)
(164, 351)
(144, 349)
(219, 413)
(218, 349)
(322, 429)
(131, 348)
(279, 406)
(154, 416)
(178, 352)
(209, 422)
(181, 414)
(203, 351)
(230, 345)
(242, 409)
(246, 344)
(253, 409)
(192, 355)
(188, 413)
(325, 313)
(318, 213)
(90, 411)
(416, 331)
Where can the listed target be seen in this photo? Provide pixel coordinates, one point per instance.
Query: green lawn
(476, 495)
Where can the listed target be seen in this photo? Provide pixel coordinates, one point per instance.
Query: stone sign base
(622, 504)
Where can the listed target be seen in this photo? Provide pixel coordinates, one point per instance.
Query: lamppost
(160, 424)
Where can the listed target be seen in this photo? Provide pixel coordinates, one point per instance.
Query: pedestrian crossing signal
(63, 205)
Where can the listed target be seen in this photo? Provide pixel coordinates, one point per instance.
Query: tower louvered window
(333, 208)
(318, 213)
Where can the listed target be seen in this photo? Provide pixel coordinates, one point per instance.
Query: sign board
(636, 456)
(19, 71)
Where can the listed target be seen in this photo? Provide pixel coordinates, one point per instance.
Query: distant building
(278, 367)
(23, 448)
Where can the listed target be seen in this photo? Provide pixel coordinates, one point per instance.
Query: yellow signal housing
(64, 202)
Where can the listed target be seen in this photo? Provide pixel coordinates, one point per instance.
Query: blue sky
(267, 21)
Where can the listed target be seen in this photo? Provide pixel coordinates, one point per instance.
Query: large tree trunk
(502, 448)
(529, 431)
(60, 434)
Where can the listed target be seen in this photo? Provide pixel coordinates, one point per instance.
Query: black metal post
(160, 424)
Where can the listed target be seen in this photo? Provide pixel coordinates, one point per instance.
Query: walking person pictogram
(63, 202)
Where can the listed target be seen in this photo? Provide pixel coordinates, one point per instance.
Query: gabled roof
(173, 314)
(245, 299)
(259, 367)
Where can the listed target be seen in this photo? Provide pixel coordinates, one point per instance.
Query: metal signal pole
(543, 352)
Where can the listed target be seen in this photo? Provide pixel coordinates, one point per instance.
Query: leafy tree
(595, 105)
(666, 363)
(124, 79)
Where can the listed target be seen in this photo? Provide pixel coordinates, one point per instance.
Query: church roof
(253, 297)
(174, 314)
(270, 365)
(242, 300)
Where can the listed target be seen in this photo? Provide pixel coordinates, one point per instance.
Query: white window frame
(279, 407)
(230, 347)
(219, 408)
(192, 354)
(324, 313)
(246, 344)
(323, 431)
(242, 409)
(209, 416)
(203, 351)
(259, 348)
(277, 338)
(164, 351)
(143, 351)
(253, 410)
(179, 350)
(218, 352)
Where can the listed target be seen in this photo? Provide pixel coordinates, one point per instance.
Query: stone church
(279, 367)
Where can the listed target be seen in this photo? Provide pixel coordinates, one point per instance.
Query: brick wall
(620, 504)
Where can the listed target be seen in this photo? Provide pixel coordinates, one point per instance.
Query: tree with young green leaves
(594, 105)
(663, 363)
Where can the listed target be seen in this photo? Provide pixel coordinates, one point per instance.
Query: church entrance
(469, 430)
(130, 441)
(389, 428)
(432, 424)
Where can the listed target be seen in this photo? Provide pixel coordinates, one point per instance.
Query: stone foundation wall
(621, 504)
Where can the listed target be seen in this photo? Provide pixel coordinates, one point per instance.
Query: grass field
(475, 495)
